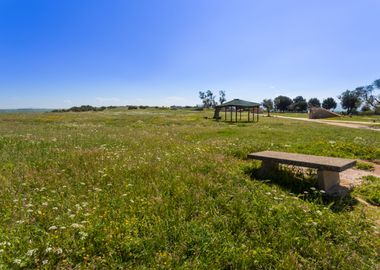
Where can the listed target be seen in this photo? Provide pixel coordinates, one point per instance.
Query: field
(168, 189)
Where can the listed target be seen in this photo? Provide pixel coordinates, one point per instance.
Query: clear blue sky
(61, 53)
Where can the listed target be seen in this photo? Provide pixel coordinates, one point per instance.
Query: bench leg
(327, 179)
(267, 168)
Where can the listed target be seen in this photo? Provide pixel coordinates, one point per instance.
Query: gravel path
(358, 125)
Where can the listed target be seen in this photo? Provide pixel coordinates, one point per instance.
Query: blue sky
(61, 53)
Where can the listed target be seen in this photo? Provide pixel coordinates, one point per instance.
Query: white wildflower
(45, 204)
(62, 227)
(124, 195)
(1, 250)
(55, 208)
(76, 225)
(29, 210)
(59, 251)
(71, 216)
(29, 205)
(319, 212)
(97, 189)
(31, 252)
(48, 250)
(83, 235)
(313, 188)
(52, 228)
(17, 261)
(45, 262)
(5, 243)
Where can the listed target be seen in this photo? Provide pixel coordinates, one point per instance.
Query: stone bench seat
(328, 167)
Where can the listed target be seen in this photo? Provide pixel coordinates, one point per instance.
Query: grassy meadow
(165, 189)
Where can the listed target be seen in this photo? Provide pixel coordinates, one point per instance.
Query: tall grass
(169, 189)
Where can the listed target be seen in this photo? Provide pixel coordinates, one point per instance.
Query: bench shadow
(303, 184)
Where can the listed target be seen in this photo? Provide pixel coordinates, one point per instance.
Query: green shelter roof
(239, 103)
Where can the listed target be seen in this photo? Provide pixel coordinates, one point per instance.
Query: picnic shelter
(233, 110)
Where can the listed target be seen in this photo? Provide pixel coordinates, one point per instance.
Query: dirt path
(357, 125)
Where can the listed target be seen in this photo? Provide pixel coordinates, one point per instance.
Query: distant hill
(24, 110)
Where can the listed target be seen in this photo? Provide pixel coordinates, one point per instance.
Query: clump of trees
(351, 100)
(282, 103)
(209, 99)
(299, 104)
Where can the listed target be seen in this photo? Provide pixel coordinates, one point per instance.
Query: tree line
(364, 97)
(297, 104)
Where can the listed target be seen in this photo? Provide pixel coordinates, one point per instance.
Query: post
(240, 114)
(257, 114)
(236, 114)
(231, 113)
(267, 169)
(327, 179)
(225, 114)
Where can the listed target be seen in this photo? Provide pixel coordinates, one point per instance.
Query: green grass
(364, 166)
(370, 190)
(291, 114)
(375, 119)
(170, 189)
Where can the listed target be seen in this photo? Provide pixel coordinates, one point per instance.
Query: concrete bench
(328, 167)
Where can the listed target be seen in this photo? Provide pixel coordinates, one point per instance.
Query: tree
(329, 103)
(350, 100)
(202, 96)
(367, 93)
(299, 104)
(208, 99)
(222, 96)
(282, 103)
(268, 104)
(314, 102)
(211, 98)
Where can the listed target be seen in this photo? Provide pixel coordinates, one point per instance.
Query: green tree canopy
(282, 103)
(299, 104)
(350, 100)
(329, 103)
(314, 102)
